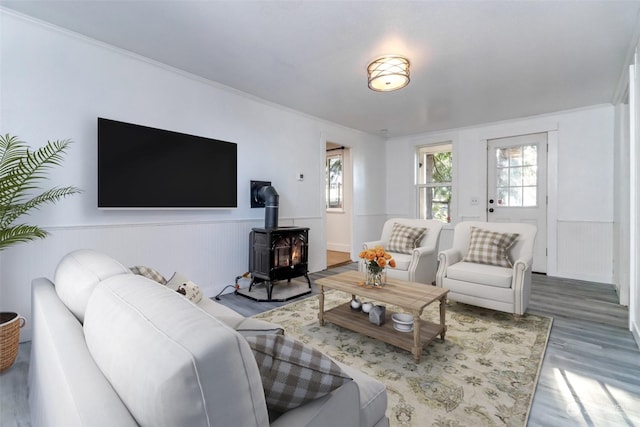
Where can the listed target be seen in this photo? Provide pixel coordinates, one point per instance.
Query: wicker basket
(10, 324)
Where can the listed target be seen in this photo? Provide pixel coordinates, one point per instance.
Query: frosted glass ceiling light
(388, 73)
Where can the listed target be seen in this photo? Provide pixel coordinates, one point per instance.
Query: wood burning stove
(277, 254)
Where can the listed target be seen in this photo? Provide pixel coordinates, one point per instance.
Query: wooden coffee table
(410, 296)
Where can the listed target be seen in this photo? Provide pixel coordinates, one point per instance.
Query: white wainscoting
(338, 247)
(584, 250)
(211, 254)
(338, 231)
(446, 238)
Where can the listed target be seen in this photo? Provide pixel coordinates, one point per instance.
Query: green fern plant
(21, 170)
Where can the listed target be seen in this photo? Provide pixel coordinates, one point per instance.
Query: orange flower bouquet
(376, 260)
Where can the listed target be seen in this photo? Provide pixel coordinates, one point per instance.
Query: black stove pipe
(271, 199)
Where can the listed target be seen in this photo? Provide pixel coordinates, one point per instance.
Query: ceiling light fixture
(387, 73)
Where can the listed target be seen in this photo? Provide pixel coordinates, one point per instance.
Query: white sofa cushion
(482, 274)
(249, 327)
(402, 261)
(218, 310)
(246, 326)
(171, 363)
(79, 272)
(373, 397)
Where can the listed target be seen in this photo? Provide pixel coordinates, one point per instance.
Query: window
(517, 176)
(334, 190)
(434, 182)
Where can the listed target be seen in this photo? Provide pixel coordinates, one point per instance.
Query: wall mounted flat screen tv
(144, 167)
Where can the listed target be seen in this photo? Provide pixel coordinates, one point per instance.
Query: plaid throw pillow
(149, 273)
(293, 373)
(405, 238)
(490, 247)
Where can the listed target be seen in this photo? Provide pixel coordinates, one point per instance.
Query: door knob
(490, 209)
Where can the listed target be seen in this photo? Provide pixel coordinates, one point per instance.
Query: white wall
(54, 84)
(580, 183)
(339, 231)
(621, 193)
(634, 200)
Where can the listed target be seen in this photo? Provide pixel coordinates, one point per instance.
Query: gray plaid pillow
(490, 247)
(293, 373)
(149, 273)
(405, 238)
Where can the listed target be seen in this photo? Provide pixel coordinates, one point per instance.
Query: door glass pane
(503, 177)
(530, 156)
(502, 158)
(503, 196)
(515, 156)
(515, 196)
(529, 175)
(529, 196)
(517, 176)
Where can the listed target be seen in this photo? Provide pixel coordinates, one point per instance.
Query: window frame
(421, 152)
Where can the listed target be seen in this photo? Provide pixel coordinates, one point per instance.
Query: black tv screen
(144, 167)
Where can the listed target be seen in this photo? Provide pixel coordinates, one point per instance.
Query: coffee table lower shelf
(357, 321)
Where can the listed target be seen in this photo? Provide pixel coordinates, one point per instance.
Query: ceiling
(472, 62)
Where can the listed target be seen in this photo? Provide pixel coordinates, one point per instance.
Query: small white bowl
(402, 328)
(367, 306)
(402, 318)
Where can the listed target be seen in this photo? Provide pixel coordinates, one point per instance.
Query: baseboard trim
(338, 247)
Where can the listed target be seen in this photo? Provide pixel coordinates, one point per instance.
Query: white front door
(517, 186)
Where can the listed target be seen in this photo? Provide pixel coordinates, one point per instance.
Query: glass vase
(376, 277)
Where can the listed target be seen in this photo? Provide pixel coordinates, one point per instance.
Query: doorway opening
(338, 196)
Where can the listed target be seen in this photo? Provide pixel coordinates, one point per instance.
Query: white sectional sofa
(113, 348)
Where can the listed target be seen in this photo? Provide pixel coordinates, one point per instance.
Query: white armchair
(418, 264)
(501, 288)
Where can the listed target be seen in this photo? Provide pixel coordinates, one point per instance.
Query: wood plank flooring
(337, 259)
(590, 375)
(591, 371)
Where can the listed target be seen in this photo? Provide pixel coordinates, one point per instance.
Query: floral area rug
(483, 374)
